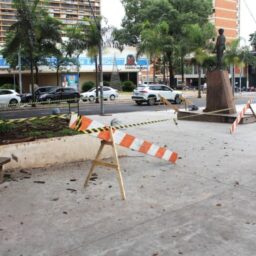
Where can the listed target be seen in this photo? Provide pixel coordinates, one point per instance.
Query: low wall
(46, 152)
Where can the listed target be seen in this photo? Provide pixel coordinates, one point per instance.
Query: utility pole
(98, 25)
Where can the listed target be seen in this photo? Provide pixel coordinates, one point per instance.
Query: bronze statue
(220, 48)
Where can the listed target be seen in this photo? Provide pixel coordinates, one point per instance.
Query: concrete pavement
(203, 205)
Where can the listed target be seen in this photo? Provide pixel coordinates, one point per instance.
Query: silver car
(109, 93)
(9, 97)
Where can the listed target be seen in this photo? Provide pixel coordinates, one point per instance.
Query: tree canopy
(177, 16)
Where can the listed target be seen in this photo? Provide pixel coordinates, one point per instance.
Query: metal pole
(20, 79)
(100, 60)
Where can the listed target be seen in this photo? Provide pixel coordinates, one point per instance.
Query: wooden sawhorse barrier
(3, 161)
(115, 165)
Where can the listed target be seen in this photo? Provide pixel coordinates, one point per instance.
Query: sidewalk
(204, 205)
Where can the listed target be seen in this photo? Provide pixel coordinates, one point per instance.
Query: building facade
(68, 11)
(226, 15)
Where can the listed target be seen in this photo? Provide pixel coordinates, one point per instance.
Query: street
(122, 105)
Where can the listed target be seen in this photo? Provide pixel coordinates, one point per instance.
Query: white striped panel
(167, 155)
(118, 136)
(95, 124)
(136, 144)
(153, 149)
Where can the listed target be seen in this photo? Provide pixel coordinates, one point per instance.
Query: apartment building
(68, 11)
(227, 16)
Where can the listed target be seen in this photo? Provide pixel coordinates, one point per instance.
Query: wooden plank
(3, 161)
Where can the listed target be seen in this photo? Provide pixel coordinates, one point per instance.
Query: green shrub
(86, 86)
(128, 86)
(106, 83)
(7, 86)
(6, 128)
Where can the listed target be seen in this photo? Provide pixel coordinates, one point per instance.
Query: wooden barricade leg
(115, 165)
(118, 169)
(94, 163)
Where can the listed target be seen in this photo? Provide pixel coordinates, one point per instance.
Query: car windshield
(141, 87)
(51, 90)
(92, 89)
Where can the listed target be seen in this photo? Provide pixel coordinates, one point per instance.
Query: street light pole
(100, 60)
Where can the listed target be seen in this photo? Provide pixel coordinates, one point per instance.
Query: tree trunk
(57, 76)
(171, 75)
(182, 69)
(37, 74)
(199, 81)
(164, 72)
(78, 74)
(32, 82)
(96, 79)
(154, 71)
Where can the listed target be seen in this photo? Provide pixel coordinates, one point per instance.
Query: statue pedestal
(219, 92)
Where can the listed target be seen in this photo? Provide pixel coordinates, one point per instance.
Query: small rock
(236, 183)
(72, 190)
(56, 111)
(25, 172)
(39, 182)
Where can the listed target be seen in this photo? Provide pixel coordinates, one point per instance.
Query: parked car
(151, 94)
(9, 97)
(60, 94)
(109, 93)
(27, 97)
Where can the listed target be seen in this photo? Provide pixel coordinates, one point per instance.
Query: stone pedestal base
(219, 92)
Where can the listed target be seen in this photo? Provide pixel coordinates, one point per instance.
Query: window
(4, 92)
(165, 88)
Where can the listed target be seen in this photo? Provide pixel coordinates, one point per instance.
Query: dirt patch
(32, 130)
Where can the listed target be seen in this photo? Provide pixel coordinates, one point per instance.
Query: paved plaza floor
(204, 205)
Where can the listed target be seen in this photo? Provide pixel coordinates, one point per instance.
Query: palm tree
(93, 35)
(232, 59)
(76, 43)
(39, 33)
(199, 37)
(153, 40)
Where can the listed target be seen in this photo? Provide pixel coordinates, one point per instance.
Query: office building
(68, 11)
(226, 15)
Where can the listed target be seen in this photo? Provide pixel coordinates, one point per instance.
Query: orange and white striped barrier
(241, 115)
(83, 123)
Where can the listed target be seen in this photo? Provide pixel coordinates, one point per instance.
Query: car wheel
(139, 103)
(151, 101)
(177, 99)
(112, 97)
(13, 102)
(91, 99)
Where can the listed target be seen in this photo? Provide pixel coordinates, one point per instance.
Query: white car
(109, 93)
(151, 94)
(9, 97)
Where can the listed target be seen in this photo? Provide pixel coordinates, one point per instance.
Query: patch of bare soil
(32, 130)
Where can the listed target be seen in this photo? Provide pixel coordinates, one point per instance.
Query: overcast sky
(114, 12)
